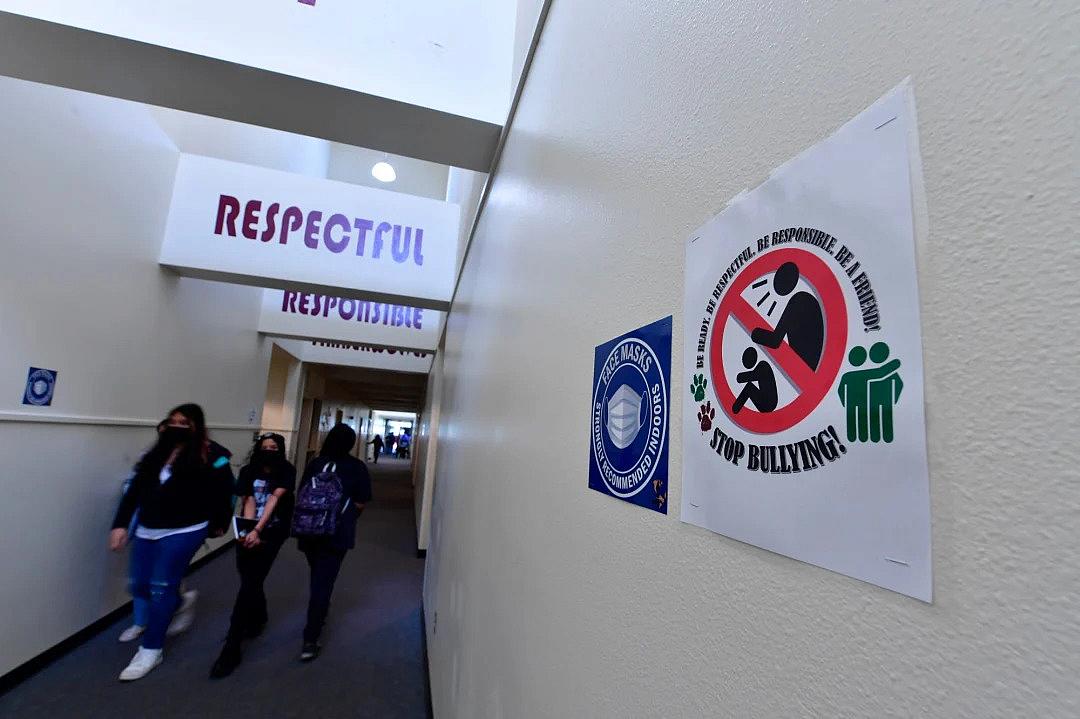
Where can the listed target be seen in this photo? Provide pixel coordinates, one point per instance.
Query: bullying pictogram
(773, 341)
(805, 343)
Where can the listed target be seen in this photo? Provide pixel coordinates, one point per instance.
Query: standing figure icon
(801, 323)
(870, 394)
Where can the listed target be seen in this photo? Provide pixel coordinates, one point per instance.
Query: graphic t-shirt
(261, 494)
(254, 482)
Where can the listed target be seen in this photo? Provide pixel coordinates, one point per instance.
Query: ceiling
(378, 389)
(290, 152)
(456, 57)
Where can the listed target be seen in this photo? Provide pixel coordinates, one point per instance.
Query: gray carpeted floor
(371, 664)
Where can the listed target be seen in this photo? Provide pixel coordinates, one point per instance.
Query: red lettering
(271, 227)
(228, 210)
(251, 218)
(290, 222)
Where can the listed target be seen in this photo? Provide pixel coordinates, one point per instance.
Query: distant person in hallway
(265, 488)
(182, 491)
(378, 442)
(331, 495)
(403, 445)
(391, 444)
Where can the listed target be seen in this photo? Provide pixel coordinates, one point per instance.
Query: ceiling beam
(56, 54)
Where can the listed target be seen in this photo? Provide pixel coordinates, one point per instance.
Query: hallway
(371, 664)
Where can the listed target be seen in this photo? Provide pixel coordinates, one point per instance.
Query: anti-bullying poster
(804, 429)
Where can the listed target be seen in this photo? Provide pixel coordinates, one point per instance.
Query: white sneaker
(132, 633)
(141, 664)
(184, 616)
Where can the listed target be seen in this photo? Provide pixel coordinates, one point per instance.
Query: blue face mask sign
(40, 384)
(628, 429)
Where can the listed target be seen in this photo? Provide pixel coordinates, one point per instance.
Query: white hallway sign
(350, 354)
(805, 433)
(250, 225)
(301, 315)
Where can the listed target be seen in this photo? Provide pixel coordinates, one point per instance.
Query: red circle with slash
(812, 385)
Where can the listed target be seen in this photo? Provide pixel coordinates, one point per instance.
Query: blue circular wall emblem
(629, 417)
(39, 387)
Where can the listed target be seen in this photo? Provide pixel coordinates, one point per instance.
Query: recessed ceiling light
(383, 172)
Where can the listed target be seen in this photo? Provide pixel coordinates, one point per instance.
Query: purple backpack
(319, 503)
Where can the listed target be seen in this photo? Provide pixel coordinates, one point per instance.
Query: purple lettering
(382, 229)
(400, 248)
(362, 228)
(271, 228)
(228, 209)
(290, 222)
(304, 297)
(418, 317)
(328, 237)
(251, 218)
(288, 301)
(418, 253)
(331, 303)
(311, 229)
(375, 313)
(347, 314)
(399, 316)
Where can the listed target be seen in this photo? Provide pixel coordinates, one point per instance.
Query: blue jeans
(157, 566)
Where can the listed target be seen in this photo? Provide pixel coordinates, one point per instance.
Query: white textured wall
(425, 451)
(639, 121)
(85, 184)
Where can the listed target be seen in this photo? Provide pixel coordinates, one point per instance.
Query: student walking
(333, 492)
(182, 491)
(378, 442)
(265, 489)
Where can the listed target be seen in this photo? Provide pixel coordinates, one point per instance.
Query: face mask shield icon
(624, 416)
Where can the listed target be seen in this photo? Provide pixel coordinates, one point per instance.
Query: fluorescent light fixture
(383, 172)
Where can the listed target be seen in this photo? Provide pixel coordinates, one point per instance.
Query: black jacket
(192, 495)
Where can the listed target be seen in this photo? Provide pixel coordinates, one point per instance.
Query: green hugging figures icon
(697, 387)
(870, 394)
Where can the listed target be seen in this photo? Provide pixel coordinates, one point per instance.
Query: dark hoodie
(193, 495)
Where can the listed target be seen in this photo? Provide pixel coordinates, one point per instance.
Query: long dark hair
(193, 452)
(339, 442)
(281, 457)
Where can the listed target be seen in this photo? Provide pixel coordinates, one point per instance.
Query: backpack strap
(330, 467)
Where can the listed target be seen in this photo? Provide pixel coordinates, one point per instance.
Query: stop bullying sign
(803, 426)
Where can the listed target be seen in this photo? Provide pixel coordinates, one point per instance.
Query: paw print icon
(706, 415)
(697, 387)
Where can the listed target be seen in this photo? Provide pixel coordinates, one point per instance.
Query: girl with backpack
(182, 490)
(265, 489)
(333, 492)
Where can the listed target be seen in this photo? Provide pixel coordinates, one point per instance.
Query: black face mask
(172, 436)
(266, 457)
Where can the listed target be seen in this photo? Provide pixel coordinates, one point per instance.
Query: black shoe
(310, 651)
(227, 661)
